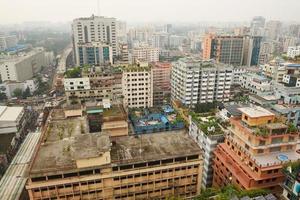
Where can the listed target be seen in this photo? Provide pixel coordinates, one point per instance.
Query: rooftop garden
(293, 168)
(158, 118)
(230, 192)
(262, 131)
(277, 129)
(210, 125)
(113, 111)
(74, 72)
(205, 107)
(291, 128)
(135, 68)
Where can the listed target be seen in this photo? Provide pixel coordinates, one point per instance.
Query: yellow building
(256, 116)
(97, 166)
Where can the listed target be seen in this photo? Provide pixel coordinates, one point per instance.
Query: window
(70, 175)
(87, 172)
(275, 149)
(262, 142)
(193, 157)
(140, 165)
(59, 176)
(153, 163)
(115, 168)
(36, 179)
(126, 167)
(180, 159)
(260, 151)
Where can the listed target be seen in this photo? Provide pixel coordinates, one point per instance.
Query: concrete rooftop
(61, 129)
(59, 155)
(62, 154)
(256, 111)
(147, 147)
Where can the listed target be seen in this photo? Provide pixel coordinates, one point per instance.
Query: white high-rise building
(94, 29)
(257, 25)
(137, 86)
(294, 51)
(195, 81)
(23, 66)
(145, 54)
(121, 31)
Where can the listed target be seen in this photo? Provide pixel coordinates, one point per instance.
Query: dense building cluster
(153, 112)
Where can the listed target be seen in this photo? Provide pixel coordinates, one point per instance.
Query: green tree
(74, 73)
(205, 107)
(207, 193)
(42, 86)
(17, 93)
(2, 96)
(26, 93)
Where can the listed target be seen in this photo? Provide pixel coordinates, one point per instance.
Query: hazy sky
(12, 11)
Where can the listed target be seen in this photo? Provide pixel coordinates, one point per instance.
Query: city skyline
(134, 11)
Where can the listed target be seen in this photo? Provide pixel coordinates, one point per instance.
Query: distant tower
(94, 29)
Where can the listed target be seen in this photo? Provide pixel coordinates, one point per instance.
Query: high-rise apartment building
(195, 81)
(137, 86)
(257, 25)
(266, 52)
(140, 35)
(161, 82)
(293, 51)
(123, 54)
(255, 150)
(224, 49)
(94, 29)
(273, 29)
(121, 31)
(95, 54)
(294, 30)
(96, 166)
(287, 42)
(145, 54)
(251, 50)
(23, 66)
(160, 40)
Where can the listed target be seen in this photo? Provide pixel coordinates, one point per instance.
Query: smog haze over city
(16, 11)
(149, 99)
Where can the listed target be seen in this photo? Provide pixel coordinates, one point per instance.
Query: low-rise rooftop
(66, 128)
(149, 147)
(256, 111)
(276, 126)
(277, 158)
(65, 154)
(10, 113)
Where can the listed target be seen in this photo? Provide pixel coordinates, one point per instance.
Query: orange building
(207, 46)
(254, 151)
